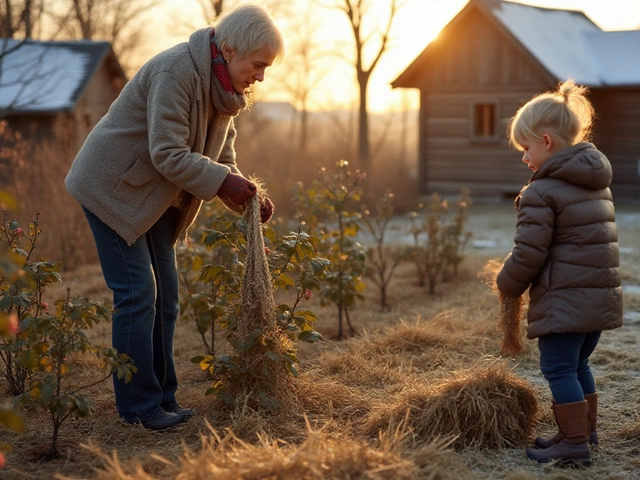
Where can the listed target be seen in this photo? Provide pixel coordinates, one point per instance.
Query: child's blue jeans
(564, 361)
(144, 281)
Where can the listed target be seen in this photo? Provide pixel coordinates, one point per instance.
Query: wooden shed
(490, 59)
(47, 88)
(51, 95)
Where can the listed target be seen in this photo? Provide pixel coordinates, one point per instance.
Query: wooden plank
(475, 53)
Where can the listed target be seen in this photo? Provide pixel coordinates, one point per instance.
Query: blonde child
(566, 254)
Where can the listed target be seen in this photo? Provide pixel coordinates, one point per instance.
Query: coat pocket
(136, 185)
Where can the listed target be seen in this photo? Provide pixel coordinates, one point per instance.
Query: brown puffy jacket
(566, 246)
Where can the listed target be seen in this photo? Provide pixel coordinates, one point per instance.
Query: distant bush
(439, 239)
(329, 204)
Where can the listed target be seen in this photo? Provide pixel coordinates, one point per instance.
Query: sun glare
(416, 24)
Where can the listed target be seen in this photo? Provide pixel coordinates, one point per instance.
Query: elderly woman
(165, 146)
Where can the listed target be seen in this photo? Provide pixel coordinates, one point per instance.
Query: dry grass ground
(421, 392)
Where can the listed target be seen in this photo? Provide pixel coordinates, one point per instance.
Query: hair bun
(567, 88)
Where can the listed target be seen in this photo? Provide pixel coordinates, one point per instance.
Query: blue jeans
(564, 361)
(144, 281)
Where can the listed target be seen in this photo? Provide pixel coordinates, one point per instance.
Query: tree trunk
(363, 122)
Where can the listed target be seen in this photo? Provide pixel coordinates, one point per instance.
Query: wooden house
(490, 59)
(49, 89)
(51, 95)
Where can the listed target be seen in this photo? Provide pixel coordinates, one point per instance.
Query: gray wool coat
(566, 246)
(161, 136)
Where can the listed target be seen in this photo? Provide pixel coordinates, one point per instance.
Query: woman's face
(245, 71)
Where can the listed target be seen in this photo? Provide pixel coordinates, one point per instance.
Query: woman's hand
(237, 189)
(266, 210)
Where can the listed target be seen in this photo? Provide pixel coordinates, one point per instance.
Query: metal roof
(46, 77)
(565, 42)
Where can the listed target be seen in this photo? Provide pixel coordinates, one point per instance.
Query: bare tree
(112, 20)
(357, 11)
(301, 75)
(210, 10)
(19, 18)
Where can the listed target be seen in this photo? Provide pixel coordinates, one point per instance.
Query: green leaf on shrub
(292, 369)
(12, 420)
(310, 336)
(287, 280)
(212, 237)
(211, 272)
(84, 405)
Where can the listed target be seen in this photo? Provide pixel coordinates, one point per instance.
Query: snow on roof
(41, 76)
(569, 44)
(617, 56)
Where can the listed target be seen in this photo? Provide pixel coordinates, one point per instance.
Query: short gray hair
(247, 29)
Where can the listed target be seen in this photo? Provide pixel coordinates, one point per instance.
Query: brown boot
(592, 401)
(573, 423)
(546, 442)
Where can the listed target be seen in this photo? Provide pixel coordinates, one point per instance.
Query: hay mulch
(486, 405)
(318, 457)
(412, 337)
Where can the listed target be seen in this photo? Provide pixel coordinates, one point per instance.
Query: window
(484, 126)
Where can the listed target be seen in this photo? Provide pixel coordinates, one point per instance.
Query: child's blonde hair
(566, 113)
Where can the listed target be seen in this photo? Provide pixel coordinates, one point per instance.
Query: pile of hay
(407, 337)
(486, 405)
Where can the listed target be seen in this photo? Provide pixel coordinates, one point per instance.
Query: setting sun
(416, 24)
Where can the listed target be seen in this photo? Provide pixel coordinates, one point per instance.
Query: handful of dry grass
(511, 312)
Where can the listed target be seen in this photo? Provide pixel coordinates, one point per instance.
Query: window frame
(473, 115)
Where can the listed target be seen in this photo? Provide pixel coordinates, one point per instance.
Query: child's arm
(533, 237)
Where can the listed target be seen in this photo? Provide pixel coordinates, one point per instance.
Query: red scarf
(218, 65)
(224, 98)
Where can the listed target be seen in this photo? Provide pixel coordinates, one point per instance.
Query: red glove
(266, 210)
(236, 189)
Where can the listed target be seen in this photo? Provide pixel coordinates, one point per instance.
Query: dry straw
(486, 405)
(511, 312)
(257, 327)
(318, 457)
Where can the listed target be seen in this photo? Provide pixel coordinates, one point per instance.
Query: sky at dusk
(416, 24)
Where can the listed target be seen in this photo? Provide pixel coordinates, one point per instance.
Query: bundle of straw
(258, 305)
(262, 343)
(511, 312)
